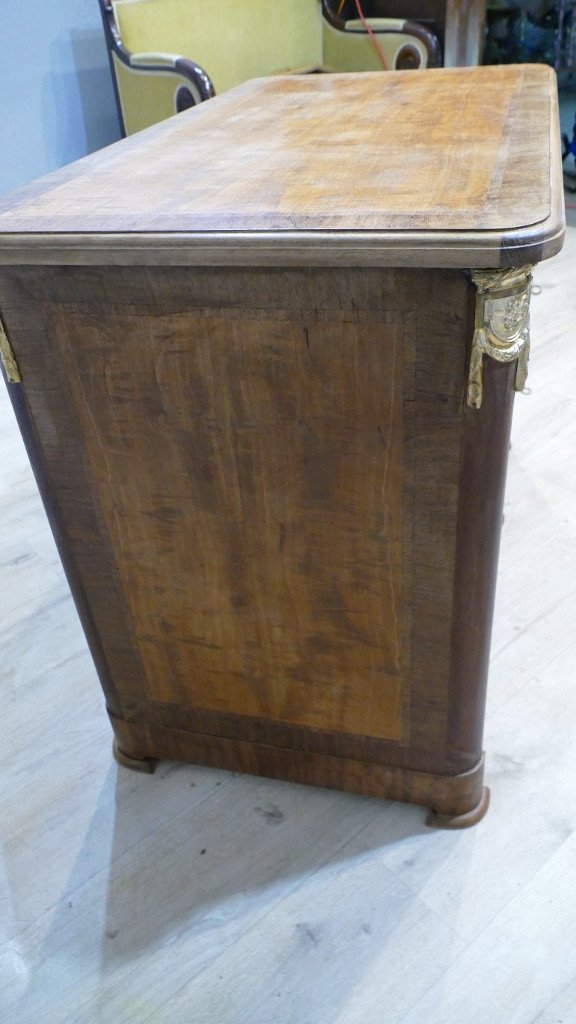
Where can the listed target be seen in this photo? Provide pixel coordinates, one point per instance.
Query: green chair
(167, 55)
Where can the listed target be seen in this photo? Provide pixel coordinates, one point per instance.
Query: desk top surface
(448, 167)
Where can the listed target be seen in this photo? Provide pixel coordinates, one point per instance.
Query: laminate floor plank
(213, 885)
(516, 966)
(366, 959)
(561, 1007)
(468, 882)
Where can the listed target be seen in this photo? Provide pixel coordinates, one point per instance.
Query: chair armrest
(151, 90)
(430, 41)
(400, 26)
(150, 86)
(347, 45)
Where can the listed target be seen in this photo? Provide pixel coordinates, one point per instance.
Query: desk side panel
(255, 476)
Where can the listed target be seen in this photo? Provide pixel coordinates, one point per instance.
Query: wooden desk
(263, 356)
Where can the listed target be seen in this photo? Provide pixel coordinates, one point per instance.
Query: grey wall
(56, 98)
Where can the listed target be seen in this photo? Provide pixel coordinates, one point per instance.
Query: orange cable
(372, 35)
(368, 28)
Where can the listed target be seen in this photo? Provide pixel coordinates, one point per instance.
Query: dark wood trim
(64, 545)
(266, 732)
(512, 253)
(484, 459)
(449, 796)
(77, 526)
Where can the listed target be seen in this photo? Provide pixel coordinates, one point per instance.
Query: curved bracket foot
(137, 764)
(461, 820)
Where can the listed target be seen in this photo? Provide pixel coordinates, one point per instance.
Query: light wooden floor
(201, 896)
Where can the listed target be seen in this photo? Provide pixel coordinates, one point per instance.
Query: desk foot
(137, 764)
(461, 820)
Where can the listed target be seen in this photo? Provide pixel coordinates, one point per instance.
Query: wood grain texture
(277, 156)
(482, 488)
(265, 538)
(448, 796)
(236, 524)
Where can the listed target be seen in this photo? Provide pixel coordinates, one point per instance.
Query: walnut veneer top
(444, 167)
